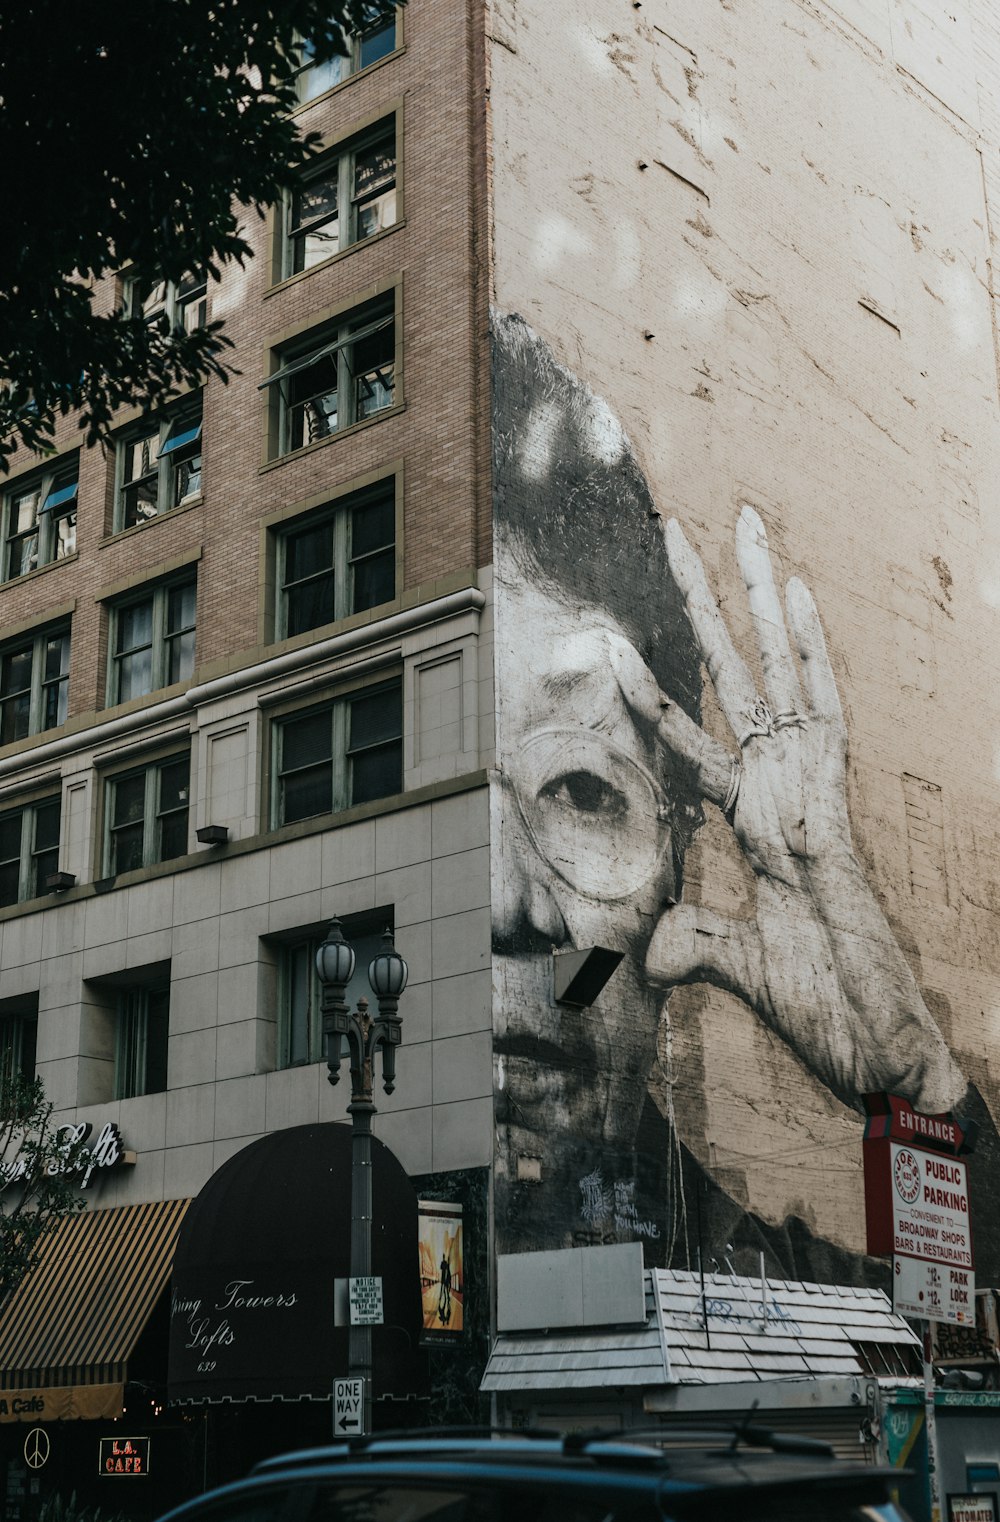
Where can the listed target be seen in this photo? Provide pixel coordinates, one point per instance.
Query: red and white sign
(917, 1209)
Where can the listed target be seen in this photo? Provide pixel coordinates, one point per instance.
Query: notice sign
(366, 1301)
(931, 1236)
(972, 1508)
(124, 1455)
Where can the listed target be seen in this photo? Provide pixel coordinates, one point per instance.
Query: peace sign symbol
(37, 1448)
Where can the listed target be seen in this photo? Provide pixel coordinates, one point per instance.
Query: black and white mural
(610, 638)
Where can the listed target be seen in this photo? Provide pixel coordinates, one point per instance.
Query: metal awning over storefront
(684, 1331)
(74, 1322)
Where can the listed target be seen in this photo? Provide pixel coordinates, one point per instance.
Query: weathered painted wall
(758, 239)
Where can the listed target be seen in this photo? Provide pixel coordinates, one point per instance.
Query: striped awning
(74, 1322)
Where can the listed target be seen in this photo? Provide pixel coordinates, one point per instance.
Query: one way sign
(349, 1408)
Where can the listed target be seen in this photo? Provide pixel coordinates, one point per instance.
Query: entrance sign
(366, 1301)
(349, 1408)
(917, 1209)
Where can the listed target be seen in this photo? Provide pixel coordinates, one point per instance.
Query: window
(174, 306)
(29, 849)
(152, 640)
(141, 1032)
(349, 752)
(39, 520)
(339, 561)
(338, 379)
(299, 1022)
(159, 467)
(34, 684)
(18, 1037)
(349, 198)
(147, 814)
(366, 47)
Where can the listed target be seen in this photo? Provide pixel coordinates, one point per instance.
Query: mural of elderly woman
(605, 619)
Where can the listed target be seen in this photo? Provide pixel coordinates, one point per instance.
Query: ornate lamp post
(365, 1034)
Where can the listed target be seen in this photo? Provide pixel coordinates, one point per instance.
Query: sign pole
(359, 1357)
(930, 1425)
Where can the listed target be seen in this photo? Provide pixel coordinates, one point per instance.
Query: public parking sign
(917, 1209)
(349, 1408)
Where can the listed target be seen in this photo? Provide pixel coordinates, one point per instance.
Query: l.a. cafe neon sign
(108, 1151)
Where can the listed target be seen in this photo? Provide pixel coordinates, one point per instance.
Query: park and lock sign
(917, 1209)
(366, 1301)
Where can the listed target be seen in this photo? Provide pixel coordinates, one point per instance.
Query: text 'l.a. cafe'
(163, 1346)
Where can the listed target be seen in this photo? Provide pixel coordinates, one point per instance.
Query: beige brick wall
(766, 235)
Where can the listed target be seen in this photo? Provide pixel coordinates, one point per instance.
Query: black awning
(252, 1303)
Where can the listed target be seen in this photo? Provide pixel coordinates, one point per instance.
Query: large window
(336, 378)
(366, 47)
(344, 753)
(159, 467)
(29, 849)
(142, 1028)
(338, 561)
(34, 684)
(18, 1037)
(350, 197)
(176, 306)
(39, 520)
(299, 1019)
(147, 815)
(152, 640)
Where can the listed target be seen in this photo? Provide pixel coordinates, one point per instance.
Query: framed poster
(442, 1272)
(964, 1507)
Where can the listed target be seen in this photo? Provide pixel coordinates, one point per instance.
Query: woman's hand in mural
(818, 961)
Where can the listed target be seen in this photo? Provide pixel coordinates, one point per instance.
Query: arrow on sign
(349, 1424)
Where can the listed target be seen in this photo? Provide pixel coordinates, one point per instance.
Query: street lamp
(365, 1034)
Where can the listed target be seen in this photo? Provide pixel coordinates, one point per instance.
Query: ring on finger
(761, 723)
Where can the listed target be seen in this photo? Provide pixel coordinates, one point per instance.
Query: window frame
(30, 885)
(151, 770)
(19, 1039)
(339, 515)
(132, 1071)
(357, 928)
(340, 161)
(332, 341)
(353, 65)
(179, 296)
(53, 481)
(158, 594)
(172, 425)
(37, 639)
(341, 752)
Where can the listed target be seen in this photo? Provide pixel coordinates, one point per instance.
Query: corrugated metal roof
(742, 1330)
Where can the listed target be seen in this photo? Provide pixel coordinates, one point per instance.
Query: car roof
(703, 1457)
(683, 1464)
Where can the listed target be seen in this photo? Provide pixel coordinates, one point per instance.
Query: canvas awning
(72, 1325)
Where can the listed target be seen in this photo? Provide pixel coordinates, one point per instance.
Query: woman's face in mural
(594, 758)
(587, 861)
